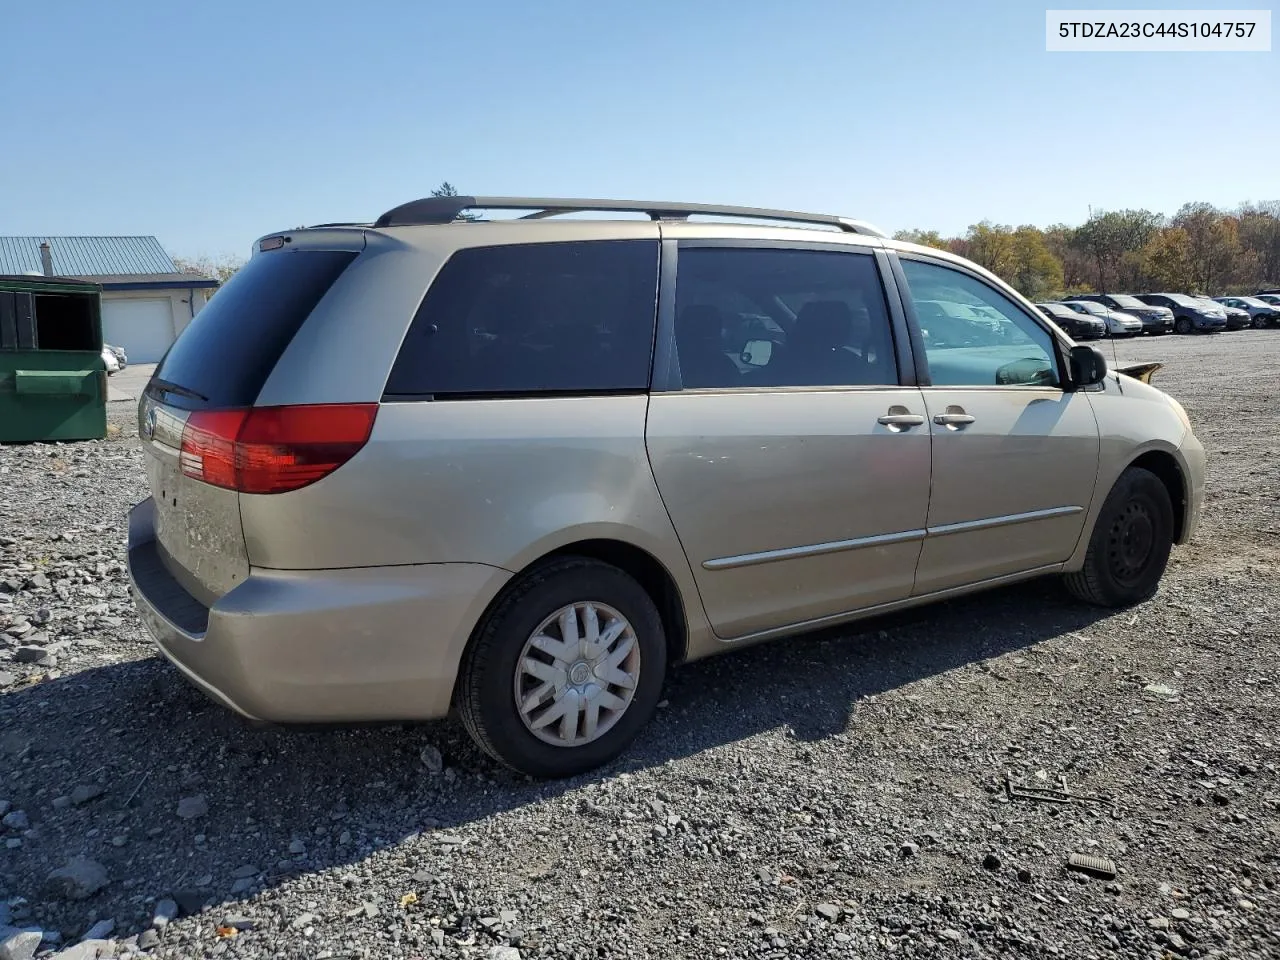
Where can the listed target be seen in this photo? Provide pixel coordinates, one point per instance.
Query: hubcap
(1133, 535)
(577, 674)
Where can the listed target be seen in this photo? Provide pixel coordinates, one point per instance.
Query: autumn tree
(1166, 261)
(991, 245)
(1076, 265)
(1036, 271)
(1107, 237)
(926, 238)
(1213, 243)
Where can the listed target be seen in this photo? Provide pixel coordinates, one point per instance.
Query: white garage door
(143, 327)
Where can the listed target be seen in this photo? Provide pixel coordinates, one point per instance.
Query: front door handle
(953, 419)
(901, 420)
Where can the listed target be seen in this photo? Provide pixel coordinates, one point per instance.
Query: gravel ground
(837, 795)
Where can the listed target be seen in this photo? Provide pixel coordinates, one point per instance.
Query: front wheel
(565, 670)
(1259, 322)
(1130, 544)
(1183, 325)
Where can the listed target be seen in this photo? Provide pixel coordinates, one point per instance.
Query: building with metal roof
(146, 299)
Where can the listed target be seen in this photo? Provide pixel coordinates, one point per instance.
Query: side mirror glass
(757, 353)
(1088, 366)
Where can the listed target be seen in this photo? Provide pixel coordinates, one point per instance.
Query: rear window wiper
(168, 386)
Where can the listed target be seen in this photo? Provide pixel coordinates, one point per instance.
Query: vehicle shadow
(290, 802)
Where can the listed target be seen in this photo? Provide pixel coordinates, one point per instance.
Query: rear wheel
(565, 670)
(1130, 544)
(1183, 325)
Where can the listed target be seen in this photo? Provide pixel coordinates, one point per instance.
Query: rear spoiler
(1141, 371)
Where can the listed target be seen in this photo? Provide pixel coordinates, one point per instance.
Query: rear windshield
(226, 353)
(540, 318)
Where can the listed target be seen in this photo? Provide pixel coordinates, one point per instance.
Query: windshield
(1183, 299)
(1125, 302)
(1094, 308)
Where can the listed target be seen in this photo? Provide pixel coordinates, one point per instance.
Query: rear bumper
(316, 646)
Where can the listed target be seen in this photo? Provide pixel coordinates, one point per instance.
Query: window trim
(1060, 351)
(666, 373)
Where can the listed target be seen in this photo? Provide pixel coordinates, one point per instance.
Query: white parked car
(110, 359)
(1119, 324)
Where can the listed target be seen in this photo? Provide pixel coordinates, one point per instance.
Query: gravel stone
(87, 950)
(432, 759)
(777, 795)
(16, 820)
(165, 912)
(189, 808)
(100, 930)
(78, 879)
(86, 792)
(18, 944)
(40, 656)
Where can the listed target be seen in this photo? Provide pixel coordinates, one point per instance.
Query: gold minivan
(517, 466)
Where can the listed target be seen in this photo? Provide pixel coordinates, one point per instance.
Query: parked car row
(1093, 315)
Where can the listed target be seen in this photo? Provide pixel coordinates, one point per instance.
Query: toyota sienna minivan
(517, 466)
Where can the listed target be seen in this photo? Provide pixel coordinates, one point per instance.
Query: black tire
(1183, 326)
(1130, 544)
(486, 682)
(1259, 323)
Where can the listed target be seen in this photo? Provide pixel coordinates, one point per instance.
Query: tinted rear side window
(227, 352)
(534, 318)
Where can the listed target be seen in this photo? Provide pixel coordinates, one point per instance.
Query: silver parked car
(1261, 313)
(520, 468)
(1119, 323)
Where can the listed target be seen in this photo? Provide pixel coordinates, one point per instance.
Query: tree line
(1199, 250)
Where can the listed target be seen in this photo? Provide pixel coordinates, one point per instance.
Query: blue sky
(210, 125)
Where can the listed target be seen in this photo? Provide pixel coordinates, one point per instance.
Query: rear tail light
(273, 449)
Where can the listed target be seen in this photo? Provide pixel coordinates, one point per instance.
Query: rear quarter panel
(501, 482)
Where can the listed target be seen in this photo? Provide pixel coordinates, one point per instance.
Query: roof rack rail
(434, 210)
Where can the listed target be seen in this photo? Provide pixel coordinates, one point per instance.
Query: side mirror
(1088, 366)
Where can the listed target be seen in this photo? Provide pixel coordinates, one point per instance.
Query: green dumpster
(53, 380)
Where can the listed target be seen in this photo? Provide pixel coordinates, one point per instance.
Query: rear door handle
(901, 420)
(953, 419)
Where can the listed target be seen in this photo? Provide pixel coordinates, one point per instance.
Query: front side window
(974, 335)
(773, 317)
(534, 318)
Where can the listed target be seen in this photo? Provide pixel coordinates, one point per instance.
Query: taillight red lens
(273, 449)
(208, 446)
